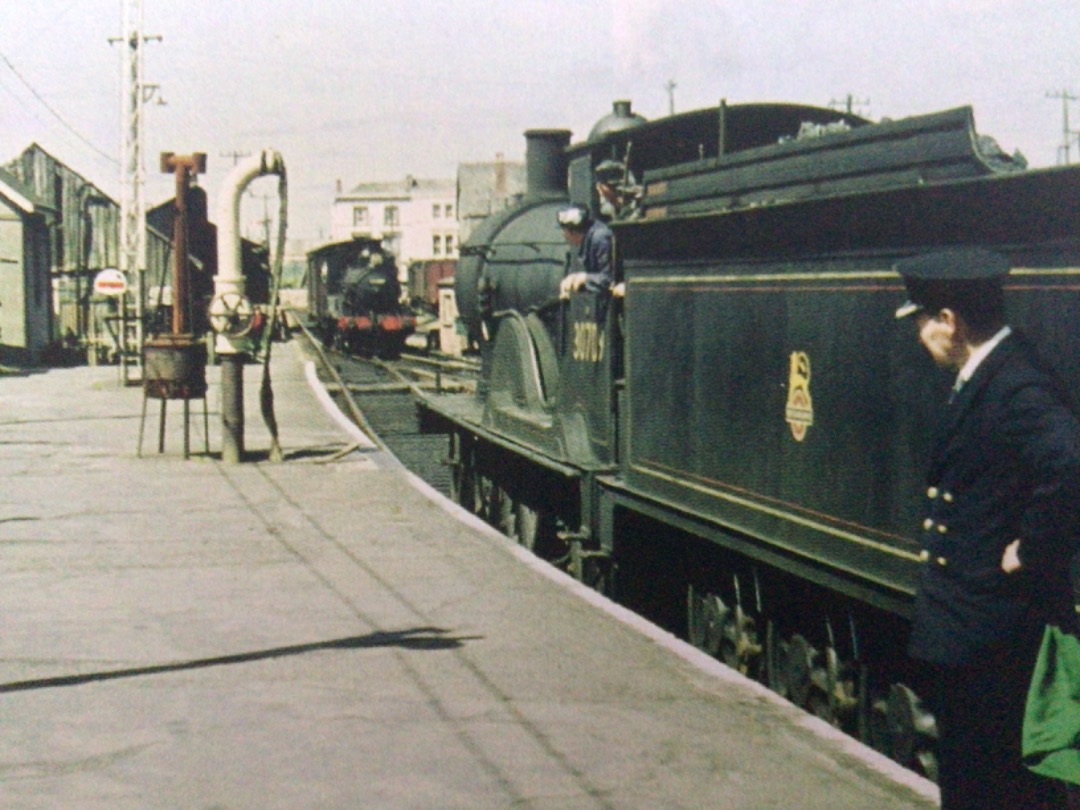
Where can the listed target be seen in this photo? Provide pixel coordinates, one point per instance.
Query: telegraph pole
(849, 103)
(134, 93)
(235, 155)
(266, 220)
(670, 87)
(1065, 97)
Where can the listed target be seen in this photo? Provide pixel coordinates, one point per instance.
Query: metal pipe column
(234, 350)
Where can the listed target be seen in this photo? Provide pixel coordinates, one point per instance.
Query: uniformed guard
(1002, 499)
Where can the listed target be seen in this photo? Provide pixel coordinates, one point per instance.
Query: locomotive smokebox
(545, 162)
(515, 258)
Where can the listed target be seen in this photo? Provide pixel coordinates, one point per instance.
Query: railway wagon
(424, 278)
(354, 298)
(736, 446)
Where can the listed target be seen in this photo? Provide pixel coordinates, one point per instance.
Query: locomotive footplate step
(327, 632)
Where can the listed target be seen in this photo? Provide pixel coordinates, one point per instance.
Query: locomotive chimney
(545, 162)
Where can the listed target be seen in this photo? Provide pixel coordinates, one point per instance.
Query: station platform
(327, 632)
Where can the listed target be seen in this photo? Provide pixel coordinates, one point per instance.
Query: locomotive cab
(550, 377)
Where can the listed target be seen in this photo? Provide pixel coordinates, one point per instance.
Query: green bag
(1051, 741)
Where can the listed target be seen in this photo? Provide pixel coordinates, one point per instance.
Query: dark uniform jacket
(595, 258)
(1006, 465)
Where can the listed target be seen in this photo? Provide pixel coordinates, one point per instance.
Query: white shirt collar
(980, 354)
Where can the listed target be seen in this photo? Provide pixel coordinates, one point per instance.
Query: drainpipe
(231, 314)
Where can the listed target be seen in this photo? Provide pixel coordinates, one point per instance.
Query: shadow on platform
(419, 638)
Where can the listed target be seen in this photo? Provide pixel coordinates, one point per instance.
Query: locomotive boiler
(354, 298)
(736, 445)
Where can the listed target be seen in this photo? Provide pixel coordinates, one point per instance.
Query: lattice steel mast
(134, 93)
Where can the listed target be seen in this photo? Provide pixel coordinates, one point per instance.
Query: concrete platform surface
(327, 633)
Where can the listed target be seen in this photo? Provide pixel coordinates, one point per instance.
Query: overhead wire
(86, 141)
(55, 19)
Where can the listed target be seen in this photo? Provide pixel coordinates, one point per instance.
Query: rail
(354, 410)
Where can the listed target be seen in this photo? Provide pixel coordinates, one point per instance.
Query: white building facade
(416, 219)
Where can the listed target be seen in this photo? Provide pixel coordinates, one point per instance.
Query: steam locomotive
(737, 446)
(354, 298)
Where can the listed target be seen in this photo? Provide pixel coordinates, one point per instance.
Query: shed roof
(20, 196)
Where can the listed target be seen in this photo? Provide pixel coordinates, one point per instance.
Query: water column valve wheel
(232, 316)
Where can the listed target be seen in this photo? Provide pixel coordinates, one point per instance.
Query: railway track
(378, 395)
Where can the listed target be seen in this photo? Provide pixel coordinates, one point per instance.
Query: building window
(436, 209)
(449, 244)
(449, 211)
(436, 245)
(392, 242)
(360, 215)
(390, 216)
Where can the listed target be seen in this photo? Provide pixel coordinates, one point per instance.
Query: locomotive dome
(620, 118)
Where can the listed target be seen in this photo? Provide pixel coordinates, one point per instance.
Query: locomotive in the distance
(354, 298)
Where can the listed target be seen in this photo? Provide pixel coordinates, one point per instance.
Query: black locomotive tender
(737, 446)
(354, 298)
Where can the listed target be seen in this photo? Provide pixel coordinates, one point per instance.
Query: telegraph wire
(55, 114)
(55, 19)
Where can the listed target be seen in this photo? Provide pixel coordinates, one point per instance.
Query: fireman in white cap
(593, 261)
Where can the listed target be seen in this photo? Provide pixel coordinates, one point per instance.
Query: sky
(373, 90)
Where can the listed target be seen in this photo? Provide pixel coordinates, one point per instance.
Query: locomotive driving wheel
(483, 500)
(726, 633)
(834, 700)
(526, 525)
(706, 616)
(740, 647)
(536, 529)
(797, 662)
(503, 515)
(911, 729)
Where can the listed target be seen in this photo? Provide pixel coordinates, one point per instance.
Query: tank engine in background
(354, 298)
(737, 447)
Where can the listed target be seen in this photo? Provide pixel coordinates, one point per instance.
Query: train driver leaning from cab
(610, 177)
(593, 241)
(617, 191)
